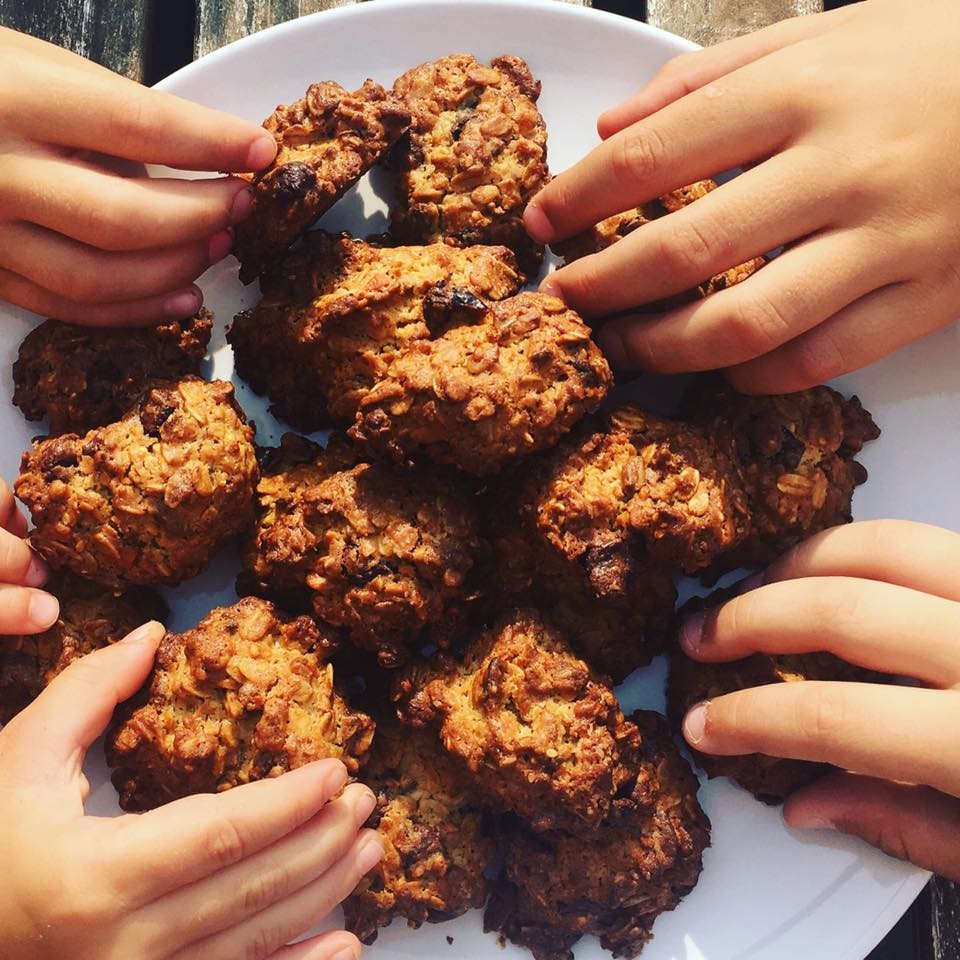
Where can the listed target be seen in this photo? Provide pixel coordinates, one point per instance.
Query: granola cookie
(475, 154)
(242, 696)
(538, 731)
(498, 382)
(91, 617)
(326, 142)
(795, 456)
(643, 859)
(79, 378)
(436, 836)
(148, 499)
(385, 554)
(335, 313)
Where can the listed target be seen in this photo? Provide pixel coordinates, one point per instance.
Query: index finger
(94, 109)
(710, 130)
(206, 833)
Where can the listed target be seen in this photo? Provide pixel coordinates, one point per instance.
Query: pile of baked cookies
(444, 595)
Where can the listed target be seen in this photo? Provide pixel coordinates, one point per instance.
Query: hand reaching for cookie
(883, 595)
(847, 124)
(78, 241)
(221, 876)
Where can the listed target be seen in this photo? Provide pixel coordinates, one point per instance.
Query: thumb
(908, 822)
(48, 740)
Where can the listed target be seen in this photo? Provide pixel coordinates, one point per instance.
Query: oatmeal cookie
(795, 455)
(79, 378)
(91, 617)
(326, 142)
(475, 154)
(335, 313)
(149, 499)
(437, 841)
(538, 731)
(384, 554)
(242, 696)
(499, 382)
(644, 858)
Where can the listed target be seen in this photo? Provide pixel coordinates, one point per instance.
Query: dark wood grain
(945, 908)
(105, 31)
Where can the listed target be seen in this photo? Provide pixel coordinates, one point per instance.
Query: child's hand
(849, 124)
(23, 608)
(210, 877)
(83, 244)
(882, 594)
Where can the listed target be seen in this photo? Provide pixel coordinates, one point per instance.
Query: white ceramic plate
(766, 893)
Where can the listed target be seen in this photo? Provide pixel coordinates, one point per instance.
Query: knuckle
(263, 890)
(263, 941)
(225, 844)
(819, 712)
(638, 154)
(756, 324)
(685, 250)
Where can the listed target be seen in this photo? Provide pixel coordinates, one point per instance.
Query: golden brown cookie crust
(146, 500)
(326, 142)
(437, 840)
(475, 154)
(536, 728)
(79, 378)
(344, 308)
(503, 381)
(90, 617)
(384, 554)
(642, 860)
(242, 696)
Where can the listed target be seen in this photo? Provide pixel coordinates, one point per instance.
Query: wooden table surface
(147, 39)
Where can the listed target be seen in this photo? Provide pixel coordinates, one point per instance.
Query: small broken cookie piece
(79, 378)
(384, 554)
(336, 311)
(437, 840)
(609, 231)
(496, 385)
(326, 142)
(539, 732)
(149, 499)
(244, 695)
(643, 859)
(475, 154)
(795, 454)
(91, 617)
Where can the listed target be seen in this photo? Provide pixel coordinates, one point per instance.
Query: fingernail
(242, 205)
(37, 572)
(183, 304)
(43, 610)
(538, 224)
(550, 288)
(691, 632)
(347, 953)
(370, 852)
(364, 804)
(219, 245)
(262, 151)
(147, 633)
(695, 723)
(611, 343)
(812, 821)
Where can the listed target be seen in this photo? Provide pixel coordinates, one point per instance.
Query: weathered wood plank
(711, 21)
(96, 29)
(221, 21)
